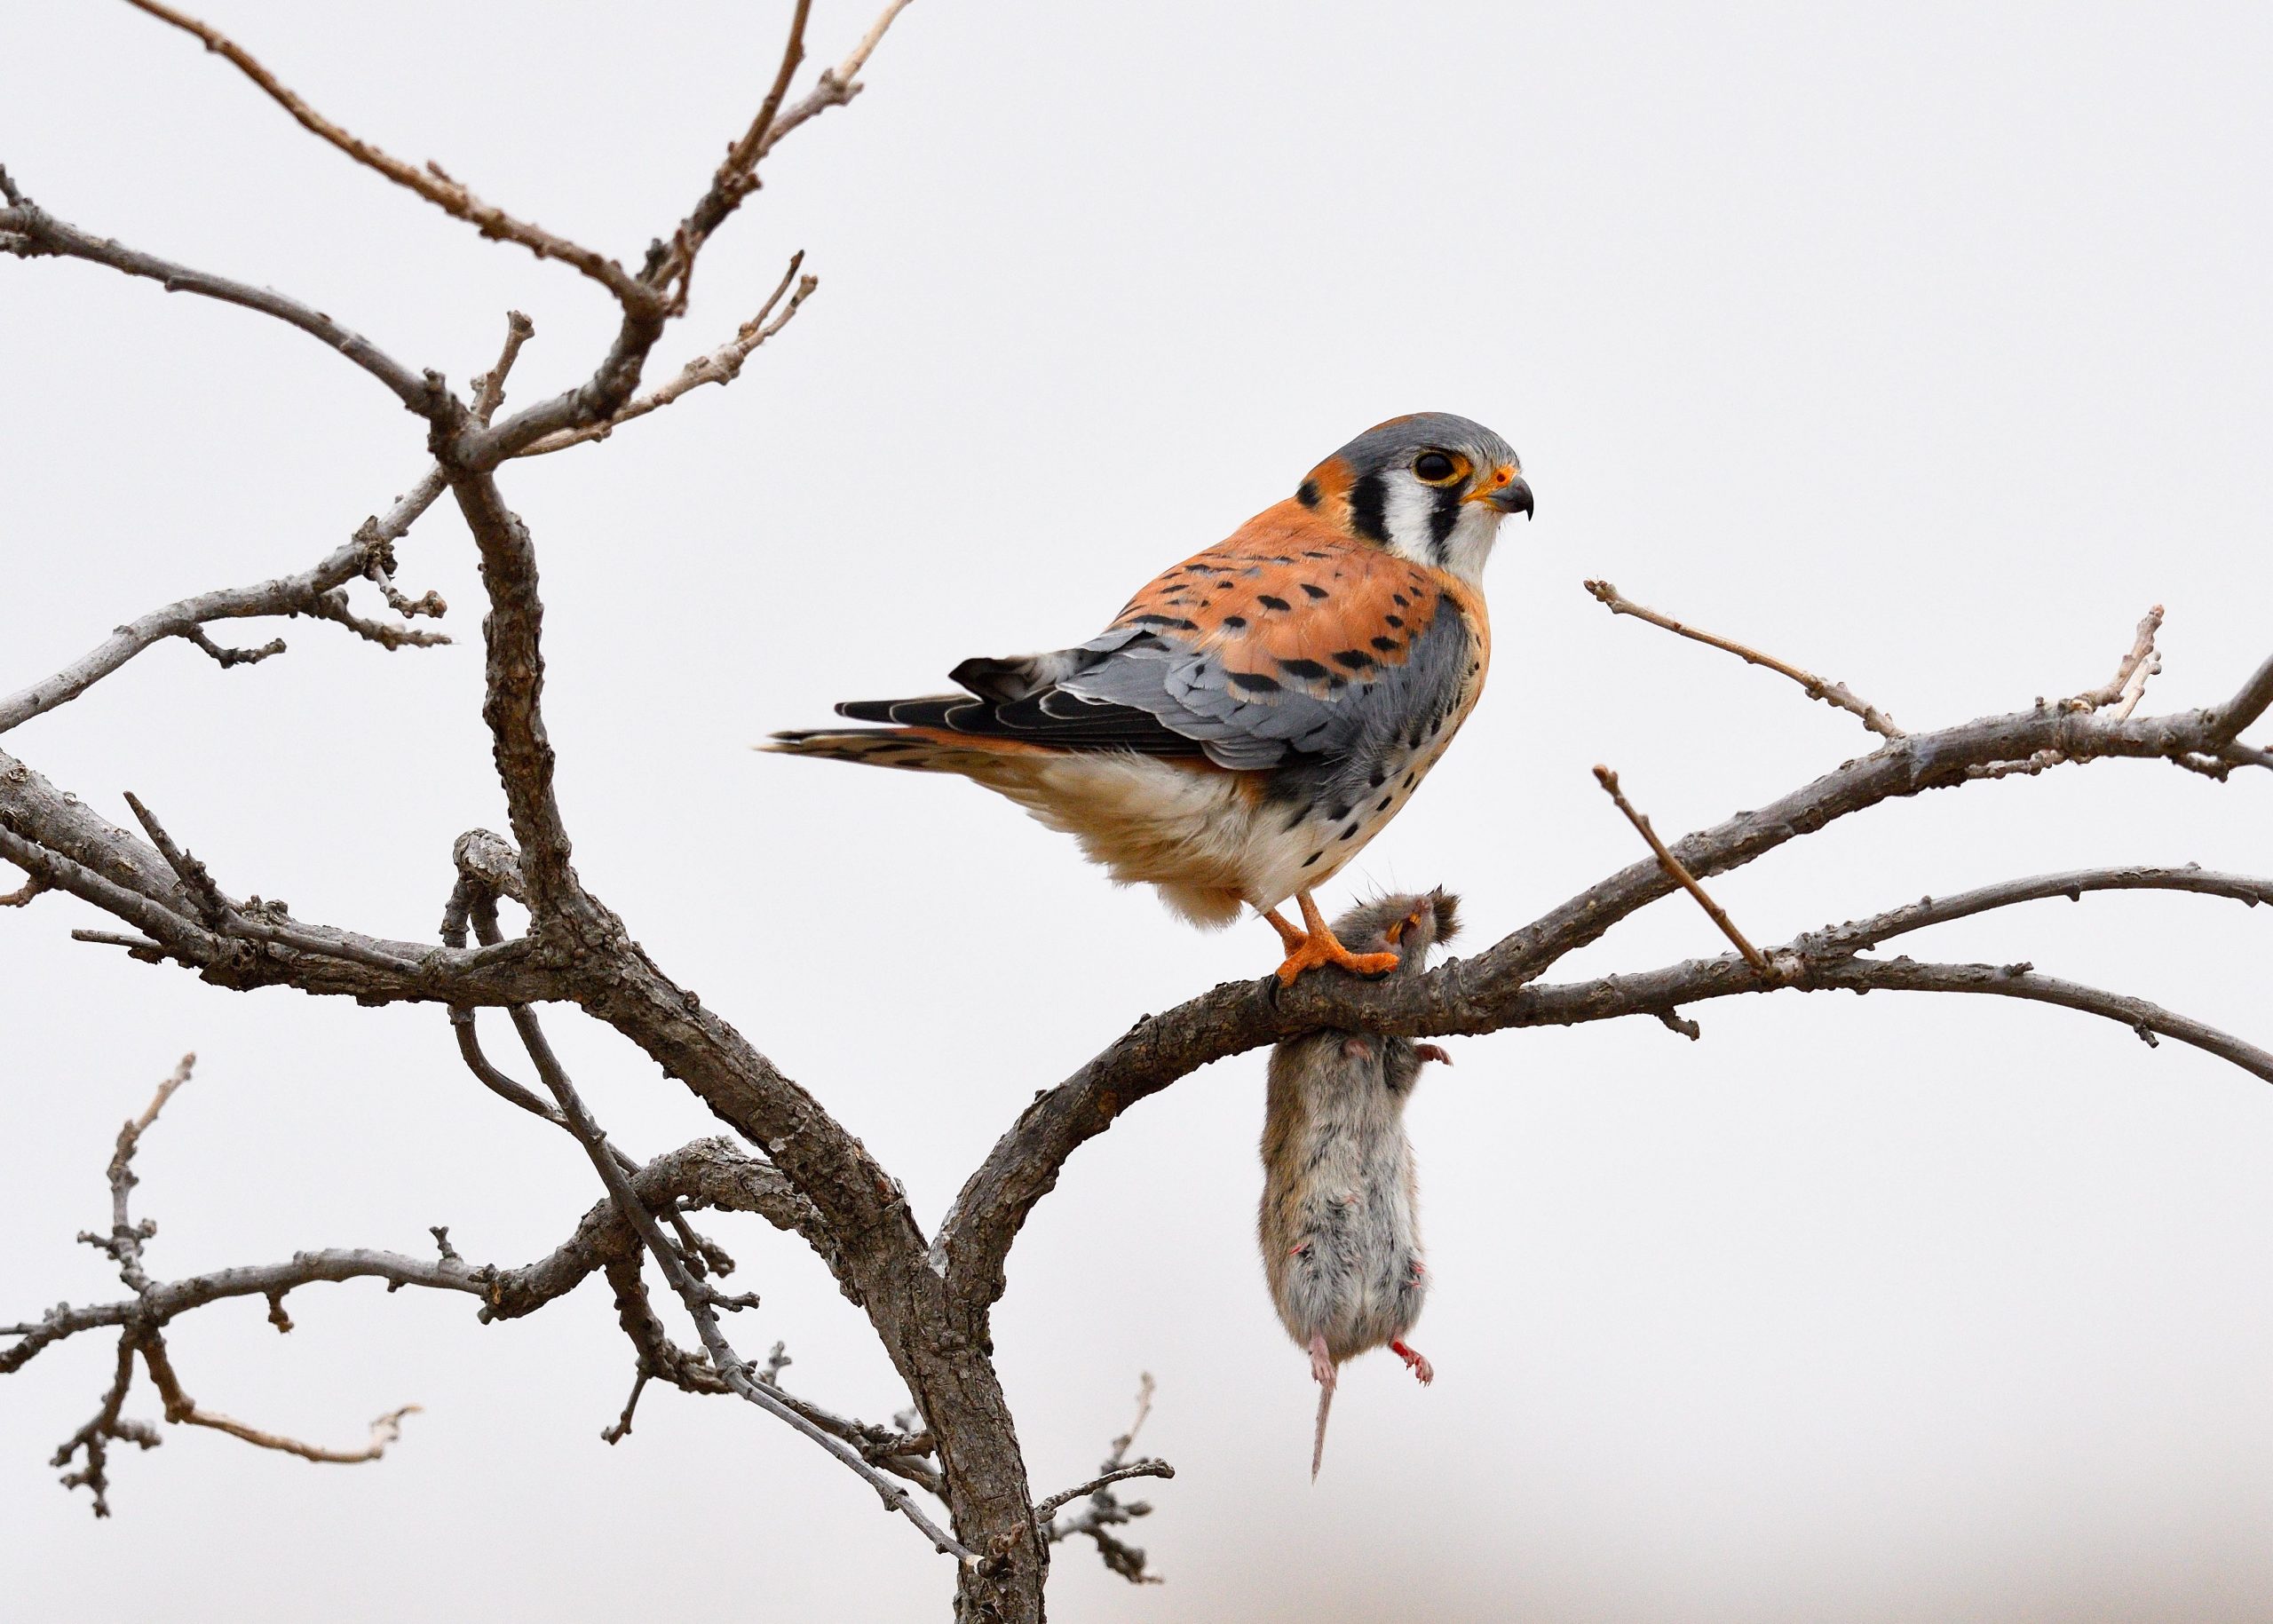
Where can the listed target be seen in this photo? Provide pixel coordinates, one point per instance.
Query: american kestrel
(1256, 715)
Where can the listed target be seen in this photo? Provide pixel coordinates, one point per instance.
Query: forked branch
(721, 365)
(1106, 1511)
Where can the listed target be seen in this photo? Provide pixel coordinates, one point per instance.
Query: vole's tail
(1318, 1447)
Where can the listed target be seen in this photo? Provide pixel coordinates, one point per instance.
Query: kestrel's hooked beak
(1502, 488)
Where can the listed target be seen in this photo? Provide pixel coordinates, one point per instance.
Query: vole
(1341, 1239)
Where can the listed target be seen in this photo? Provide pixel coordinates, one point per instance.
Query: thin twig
(142, 1323)
(1831, 694)
(1861, 935)
(1675, 1023)
(292, 595)
(487, 866)
(430, 183)
(226, 657)
(729, 1364)
(836, 85)
(30, 232)
(1105, 1510)
(1680, 875)
(734, 179)
(196, 879)
(96, 1436)
(2122, 691)
(621, 1429)
(490, 387)
(720, 366)
(182, 1410)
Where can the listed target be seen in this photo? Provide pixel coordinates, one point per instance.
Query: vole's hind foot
(1426, 1052)
(1414, 1361)
(1321, 1363)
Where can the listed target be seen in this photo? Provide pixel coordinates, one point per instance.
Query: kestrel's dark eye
(1433, 467)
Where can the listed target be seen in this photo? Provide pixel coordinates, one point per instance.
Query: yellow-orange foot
(1317, 945)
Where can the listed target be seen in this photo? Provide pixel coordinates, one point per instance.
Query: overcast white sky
(1926, 345)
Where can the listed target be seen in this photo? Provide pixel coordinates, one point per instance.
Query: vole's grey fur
(1341, 1238)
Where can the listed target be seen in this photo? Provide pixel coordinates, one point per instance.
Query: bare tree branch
(1106, 1512)
(143, 1333)
(734, 179)
(836, 85)
(1680, 875)
(1831, 694)
(2121, 692)
(578, 950)
(2242, 711)
(1652, 992)
(700, 1303)
(708, 1173)
(514, 678)
(95, 1437)
(430, 183)
(2122, 689)
(269, 948)
(30, 232)
(183, 1410)
(928, 1303)
(721, 365)
(490, 387)
(613, 381)
(311, 593)
(1862, 935)
(1491, 991)
(226, 656)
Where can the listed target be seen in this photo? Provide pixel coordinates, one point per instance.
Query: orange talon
(1317, 945)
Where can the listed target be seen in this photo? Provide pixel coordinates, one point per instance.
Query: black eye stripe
(1369, 508)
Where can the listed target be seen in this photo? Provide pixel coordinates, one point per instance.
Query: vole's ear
(1448, 907)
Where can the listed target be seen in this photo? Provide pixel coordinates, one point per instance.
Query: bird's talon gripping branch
(1317, 945)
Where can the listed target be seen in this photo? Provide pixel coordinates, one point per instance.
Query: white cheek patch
(1406, 510)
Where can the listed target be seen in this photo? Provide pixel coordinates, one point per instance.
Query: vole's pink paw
(1417, 1363)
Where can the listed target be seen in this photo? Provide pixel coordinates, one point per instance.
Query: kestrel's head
(1431, 486)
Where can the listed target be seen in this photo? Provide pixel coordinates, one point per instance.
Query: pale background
(1926, 345)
